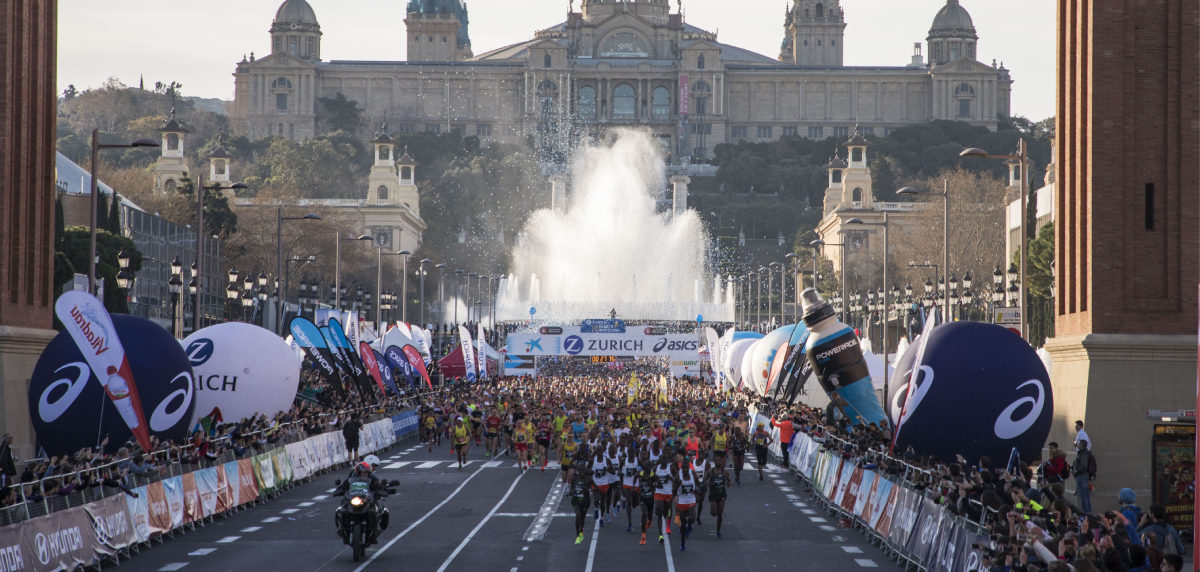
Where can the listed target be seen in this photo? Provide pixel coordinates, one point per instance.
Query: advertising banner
(71, 402)
(635, 342)
(89, 325)
(173, 489)
(13, 554)
(191, 499)
(468, 353)
(58, 541)
(414, 358)
(242, 370)
(482, 355)
(231, 486)
(264, 474)
(111, 526)
(404, 423)
(403, 366)
(139, 513)
(924, 535)
(1174, 463)
(882, 502)
(208, 486)
(309, 338)
(386, 372)
(942, 553)
(367, 355)
(850, 488)
(903, 516)
(247, 485)
(160, 509)
(866, 489)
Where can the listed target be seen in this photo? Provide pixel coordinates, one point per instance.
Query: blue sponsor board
(602, 327)
(404, 423)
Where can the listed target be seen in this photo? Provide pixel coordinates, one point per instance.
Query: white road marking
(524, 548)
(384, 548)
(306, 504)
(786, 489)
(202, 552)
(852, 549)
(817, 519)
(828, 528)
(779, 482)
(793, 497)
(398, 465)
(252, 529)
(800, 504)
(271, 519)
(428, 464)
(331, 490)
(520, 558)
(592, 549)
(289, 511)
(667, 547)
(320, 497)
(172, 567)
(463, 544)
(228, 539)
(809, 511)
(537, 529)
(865, 563)
(492, 464)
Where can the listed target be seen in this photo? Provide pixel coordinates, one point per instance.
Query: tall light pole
(404, 287)
(770, 280)
(457, 273)
(845, 301)
(1023, 157)
(198, 271)
(279, 258)
(379, 284)
(470, 302)
(795, 260)
(945, 194)
(96, 147)
(885, 292)
(337, 267)
(441, 296)
(422, 266)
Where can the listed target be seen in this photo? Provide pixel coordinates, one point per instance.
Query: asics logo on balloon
(165, 416)
(925, 374)
(1007, 427)
(49, 411)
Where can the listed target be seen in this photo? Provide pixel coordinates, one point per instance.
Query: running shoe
(596, 514)
(760, 477)
(643, 542)
(660, 539)
(718, 535)
(579, 539)
(601, 521)
(608, 517)
(668, 527)
(739, 481)
(682, 546)
(698, 520)
(629, 529)
(617, 509)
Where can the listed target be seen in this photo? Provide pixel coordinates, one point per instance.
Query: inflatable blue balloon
(981, 390)
(68, 406)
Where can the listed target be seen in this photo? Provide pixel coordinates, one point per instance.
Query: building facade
(622, 63)
(1127, 222)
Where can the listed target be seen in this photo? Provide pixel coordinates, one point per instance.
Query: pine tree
(60, 225)
(102, 211)
(114, 215)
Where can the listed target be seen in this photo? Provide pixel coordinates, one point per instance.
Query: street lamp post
(457, 273)
(422, 267)
(795, 286)
(820, 243)
(441, 299)
(95, 198)
(470, 301)
(379, 285)
(287, 287)
(884, 292)
(770, 279)
(337, 267)
(279, 258)
(198, 271)
(945, 194)
(176, 286)
(1022, 156)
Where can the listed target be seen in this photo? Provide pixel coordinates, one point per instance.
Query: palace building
(622, 63)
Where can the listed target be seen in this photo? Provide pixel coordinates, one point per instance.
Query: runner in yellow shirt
(461, 435)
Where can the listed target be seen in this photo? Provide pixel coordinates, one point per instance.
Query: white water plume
(610, 250)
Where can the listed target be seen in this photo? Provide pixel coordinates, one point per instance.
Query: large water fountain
(609, 249)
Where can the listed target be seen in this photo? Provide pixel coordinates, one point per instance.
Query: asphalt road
(489, 517)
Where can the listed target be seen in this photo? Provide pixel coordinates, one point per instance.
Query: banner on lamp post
(464, 340)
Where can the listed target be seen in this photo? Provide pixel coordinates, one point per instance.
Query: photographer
(1156, 521)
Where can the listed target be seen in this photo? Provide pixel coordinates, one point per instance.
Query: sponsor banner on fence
(59, 541)
(208, 486)
(924, 534)
(404, 424)
(173, 489)
(247, 486)
(191, 499)
(111, 525)
(903, 516)
(13, 553)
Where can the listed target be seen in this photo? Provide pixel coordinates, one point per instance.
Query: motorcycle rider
(362, 474)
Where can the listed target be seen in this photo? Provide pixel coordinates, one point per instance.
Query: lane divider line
(592, 548)
(463, 544)
(418, 521)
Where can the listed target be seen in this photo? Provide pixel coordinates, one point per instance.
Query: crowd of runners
(658, 455)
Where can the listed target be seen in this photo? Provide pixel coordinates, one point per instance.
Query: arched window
(661, 103)
(281, 83)
(546, 61)
(219, 166)
(169, 186)
(587, 101)
(820, 11)
(623, 101)
(700, 62)
(965, 93)
(856, 154)
(964, 89)
(382, 191)
(857, 195)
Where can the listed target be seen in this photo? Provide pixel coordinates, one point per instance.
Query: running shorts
(662, 497)
(521, 446)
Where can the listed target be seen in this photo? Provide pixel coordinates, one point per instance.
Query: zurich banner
(636, 341)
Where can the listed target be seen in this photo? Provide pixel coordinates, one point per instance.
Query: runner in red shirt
(492, 432)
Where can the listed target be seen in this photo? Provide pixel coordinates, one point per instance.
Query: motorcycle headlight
(356, 501)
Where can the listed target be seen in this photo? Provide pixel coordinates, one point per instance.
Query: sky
(198, 43)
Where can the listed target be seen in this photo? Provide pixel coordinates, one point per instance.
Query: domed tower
(952, 35)
(295, 31)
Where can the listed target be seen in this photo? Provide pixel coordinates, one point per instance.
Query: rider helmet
(364, 468)
(372, 460)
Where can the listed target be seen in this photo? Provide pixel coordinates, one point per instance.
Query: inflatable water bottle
(836, 358)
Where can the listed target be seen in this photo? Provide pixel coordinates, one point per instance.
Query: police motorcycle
(360, 518)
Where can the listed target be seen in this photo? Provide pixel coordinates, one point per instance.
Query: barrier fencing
(103, 524)
(902, 521)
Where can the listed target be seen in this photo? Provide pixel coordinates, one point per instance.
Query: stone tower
(382, 182)
(952, 35)
(171, 166)
(437, 31)
(813, 32)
